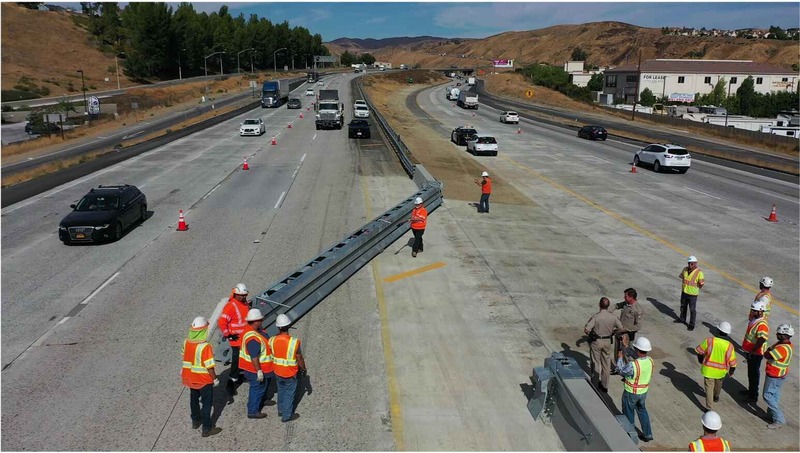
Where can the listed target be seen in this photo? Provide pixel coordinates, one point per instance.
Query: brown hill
(46, 48)
(607, 43)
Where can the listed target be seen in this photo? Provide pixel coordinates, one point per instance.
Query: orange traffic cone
(244, 165)
(290, 126)
(182, 226)
(773, 216)
(633, 168)
(274, 142)
(519, 130)
(301, 115)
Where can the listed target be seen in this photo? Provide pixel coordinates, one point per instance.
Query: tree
(367, 59)
(747, 96)
(777, 33)
(596, 82)
(647, 98)
(718, 94)
(347, 59)
(579, 54)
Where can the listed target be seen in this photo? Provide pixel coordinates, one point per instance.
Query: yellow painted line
(643, 230)
(413, 272)
(395, 409)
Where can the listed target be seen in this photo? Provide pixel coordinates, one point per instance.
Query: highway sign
(529, 93)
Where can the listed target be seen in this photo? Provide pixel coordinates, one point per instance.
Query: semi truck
(467, 100)
(274, 93)
(313, 76)
(330, 111)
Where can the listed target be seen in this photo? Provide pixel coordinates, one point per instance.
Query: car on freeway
(358, 128)
(40, 129)
(320, 83)
(361, 111)
(509, 117)
(664, 156)
(382, 68)
(593, 133)
(460, 135)
(309, 92)
(482, 144)
(103, 214)
(294, 103)
(360, 102)
(252, 126)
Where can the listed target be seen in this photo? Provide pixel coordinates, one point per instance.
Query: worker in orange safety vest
(255, 359)
(288, 361)
(778, 356)
(754, 344)
(199, 376)
(232, 323)
(486, 191)
(419, 221)
(718, 359)
(710, 441)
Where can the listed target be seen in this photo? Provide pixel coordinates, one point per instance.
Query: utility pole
(85, 105)
(636, 92)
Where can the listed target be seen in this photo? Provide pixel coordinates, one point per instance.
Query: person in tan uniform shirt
(603, 324)
(631, 318)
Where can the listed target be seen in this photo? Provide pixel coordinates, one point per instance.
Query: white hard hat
(240, 289)
(759, 305)
(418, 200)
(712, 421)
(785, 329)
(642, 344)
(692, 259)
(767, 282)
(254, 315)
(199, 323)
(486, 173)
(725, 327)
(282, 320)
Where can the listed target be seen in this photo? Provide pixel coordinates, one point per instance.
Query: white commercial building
(680, 80)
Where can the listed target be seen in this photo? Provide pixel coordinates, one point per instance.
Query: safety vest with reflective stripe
(198, 357)
(690, 281)
(769, 303)
(778, 360)
(264, 357)
(419, 218)
(639, 383)
(284, 354)
(719, 355)
(712, 444)
(756, 329)
(232, 320)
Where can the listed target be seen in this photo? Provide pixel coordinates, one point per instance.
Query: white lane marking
(640, 193)
(63, 320)
(210, 192)
(314, 137)
(304, 156)
(706, 194)
(94, 293)
(280, 200)
(132, 135)
(294, 175)
(101, 137)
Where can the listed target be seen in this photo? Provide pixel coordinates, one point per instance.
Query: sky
(478, 20)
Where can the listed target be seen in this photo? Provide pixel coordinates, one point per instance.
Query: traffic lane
(173, 178)
(659, 204)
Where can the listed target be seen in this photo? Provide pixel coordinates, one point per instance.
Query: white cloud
(310, 16)
(376, 20)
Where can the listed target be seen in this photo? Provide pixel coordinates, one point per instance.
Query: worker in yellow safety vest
(765, 291)
(710, 441)
(199, 376)
(692, 279)
(778, 356)
(636, 375)
(718, 359)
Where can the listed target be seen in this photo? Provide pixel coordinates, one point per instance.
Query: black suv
(42, 128)
(461, 134)
(103, 214)
(294, 103)
(593, 133)
(358, 129)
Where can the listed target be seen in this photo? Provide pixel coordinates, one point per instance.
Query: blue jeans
(483, 206)
(204, 396)
(772, 395)
(631, 402)
(287, 387)
(257, 391)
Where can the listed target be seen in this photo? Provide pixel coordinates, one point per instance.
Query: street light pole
(205, 65)
(274, 61)
(116, 63)
(180, 70)
(238, 67)
(83, 87)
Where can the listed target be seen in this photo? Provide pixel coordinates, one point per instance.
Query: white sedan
(664, 156)
(320, 83)
(509, 117)
(252, 126)
(309, 92)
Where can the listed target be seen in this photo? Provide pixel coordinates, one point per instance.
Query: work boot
(414, 254)
(197, 424)
(775, 425)
(258, 415)
(679, 321)
(211, 432)
(716, 399)
(691, 328)
(294, 417)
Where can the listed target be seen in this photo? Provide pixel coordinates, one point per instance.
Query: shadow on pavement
(684, 384)
(663, 308)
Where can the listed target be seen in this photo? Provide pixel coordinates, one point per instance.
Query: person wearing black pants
(419, 220)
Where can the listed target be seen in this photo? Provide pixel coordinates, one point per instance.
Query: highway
(426, 353)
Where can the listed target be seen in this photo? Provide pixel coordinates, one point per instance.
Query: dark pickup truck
(358, 129)
(461, 134)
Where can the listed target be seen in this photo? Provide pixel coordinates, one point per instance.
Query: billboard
(681, 97)
(94, 105)
(503, 63)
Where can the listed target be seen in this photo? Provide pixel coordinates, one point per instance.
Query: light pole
(83, 87)
(205, 65)
(180, 71)
(116, 63)
(274, 61)
(238, 68)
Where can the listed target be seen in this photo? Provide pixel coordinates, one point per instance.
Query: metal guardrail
(562, 393)
(397, 144)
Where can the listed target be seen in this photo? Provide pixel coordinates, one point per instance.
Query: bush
(18, 95)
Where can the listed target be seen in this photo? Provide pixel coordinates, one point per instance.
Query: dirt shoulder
(450, 164)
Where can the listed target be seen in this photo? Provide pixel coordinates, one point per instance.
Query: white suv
(359, 102)
(482, 144)
(509, 117)
(360, 111)
(662, 156)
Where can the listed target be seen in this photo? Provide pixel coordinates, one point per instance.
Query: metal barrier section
(299, 292)
(563, 395)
